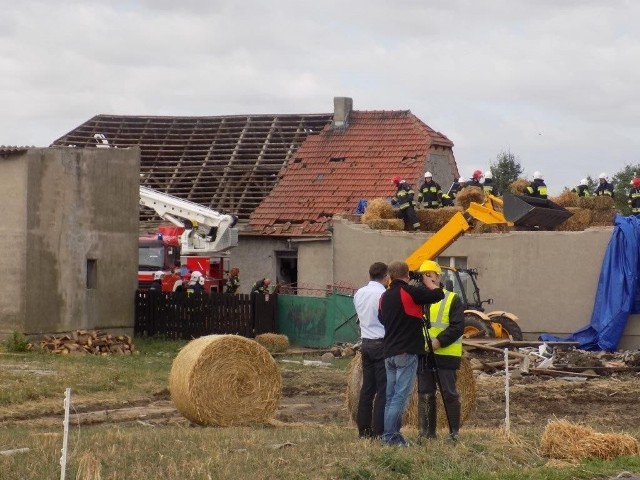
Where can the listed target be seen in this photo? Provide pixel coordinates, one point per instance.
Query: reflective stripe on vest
(439, 315)
(542, 190)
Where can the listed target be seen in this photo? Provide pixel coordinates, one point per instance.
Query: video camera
(417, 276)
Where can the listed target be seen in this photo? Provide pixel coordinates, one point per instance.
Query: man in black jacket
(446, 326)
(401, 313)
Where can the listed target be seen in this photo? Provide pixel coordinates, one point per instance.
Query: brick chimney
(342, 107)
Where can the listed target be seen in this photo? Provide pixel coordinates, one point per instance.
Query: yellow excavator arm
(455, 227)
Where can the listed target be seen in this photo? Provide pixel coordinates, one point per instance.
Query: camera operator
(401, 313)
(445, 321)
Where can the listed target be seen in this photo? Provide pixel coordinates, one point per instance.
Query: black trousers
(427, 383)
(373, 395)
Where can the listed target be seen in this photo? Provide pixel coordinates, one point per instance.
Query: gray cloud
(555, 82)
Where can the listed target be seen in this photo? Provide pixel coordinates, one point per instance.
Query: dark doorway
(287, 265)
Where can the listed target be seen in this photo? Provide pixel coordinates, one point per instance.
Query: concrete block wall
(548, 279)
(70, 239)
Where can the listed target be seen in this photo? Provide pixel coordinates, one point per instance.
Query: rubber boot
(427, 416)
(453, 408)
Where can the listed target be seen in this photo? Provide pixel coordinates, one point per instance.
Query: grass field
(33, 387)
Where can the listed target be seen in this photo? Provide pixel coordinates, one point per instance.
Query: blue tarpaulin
(617, 292)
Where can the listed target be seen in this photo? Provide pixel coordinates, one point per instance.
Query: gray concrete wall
(256, 258)
(82, 204)
(548, 279)
(314, 266)
(13, 242)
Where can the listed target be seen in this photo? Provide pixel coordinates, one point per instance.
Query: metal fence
(177, 315)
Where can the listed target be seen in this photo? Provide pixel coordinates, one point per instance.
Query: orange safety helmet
(396, 179)
(477, 174)
(636, 182)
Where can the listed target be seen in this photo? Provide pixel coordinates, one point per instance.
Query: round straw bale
(273, 342)
(378, 208)
(601, 218)
(564, 440)
(577, 222)
(465, 383)
(386, 224)
(225, 380)
(468, 195)
(566, 199)
(517, 187)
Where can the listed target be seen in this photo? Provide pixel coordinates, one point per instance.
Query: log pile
(82, 342)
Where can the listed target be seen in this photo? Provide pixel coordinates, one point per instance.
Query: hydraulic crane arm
(454, 228)
(206, 231)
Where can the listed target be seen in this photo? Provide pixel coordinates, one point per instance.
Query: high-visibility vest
(439, 315)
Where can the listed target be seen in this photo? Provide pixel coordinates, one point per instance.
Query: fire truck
(199, 239)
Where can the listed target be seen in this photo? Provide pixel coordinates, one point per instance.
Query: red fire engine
(198, 240)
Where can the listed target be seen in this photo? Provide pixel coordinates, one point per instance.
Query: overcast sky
(556, 82)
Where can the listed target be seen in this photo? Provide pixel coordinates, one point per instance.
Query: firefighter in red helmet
(634, 196)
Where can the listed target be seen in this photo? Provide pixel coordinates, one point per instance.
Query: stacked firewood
(83, 342)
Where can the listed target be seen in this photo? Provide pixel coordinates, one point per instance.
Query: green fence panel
(345, 319)
(317, 322)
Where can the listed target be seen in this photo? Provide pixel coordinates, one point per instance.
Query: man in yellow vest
(445, 323)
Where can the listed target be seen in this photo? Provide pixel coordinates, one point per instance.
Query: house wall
(72, 205)
(548, 279)
(255, 256)
(315, 265)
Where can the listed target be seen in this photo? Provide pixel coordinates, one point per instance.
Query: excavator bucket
(526, 211)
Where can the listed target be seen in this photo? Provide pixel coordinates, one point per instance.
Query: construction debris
(82, 342)
(548, 358)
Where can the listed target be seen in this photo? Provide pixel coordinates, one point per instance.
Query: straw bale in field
(580, 220)
(465, 383)
(517, 187)
(564, 440)
(468, 195)
(386, 224)
(433, 219)
(566, 199)
(601, 218)
(225, 380)
(273, 342)
(378, 208)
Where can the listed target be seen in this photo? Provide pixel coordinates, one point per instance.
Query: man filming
(437, 369)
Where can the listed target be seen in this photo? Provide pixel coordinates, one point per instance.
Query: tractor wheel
(475, 327)
(510, 328)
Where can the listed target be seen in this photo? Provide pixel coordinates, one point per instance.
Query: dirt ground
(316, 396)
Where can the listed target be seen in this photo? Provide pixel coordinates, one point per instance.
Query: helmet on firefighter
(430, 266)
(584, 181)
(158, 275)
(396, 179)
(636, 182)
(537, 175)
(201, 280)
(488, 174)
(428, 175)
(602, 176)
(477, 174)
(195, 277)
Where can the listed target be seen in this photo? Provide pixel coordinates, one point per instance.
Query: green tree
(621, 186)
(505, 170)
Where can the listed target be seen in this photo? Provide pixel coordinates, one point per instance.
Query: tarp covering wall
(617, 292)
(317, 322)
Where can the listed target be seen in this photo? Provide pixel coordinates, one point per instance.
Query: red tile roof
(332, 171)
